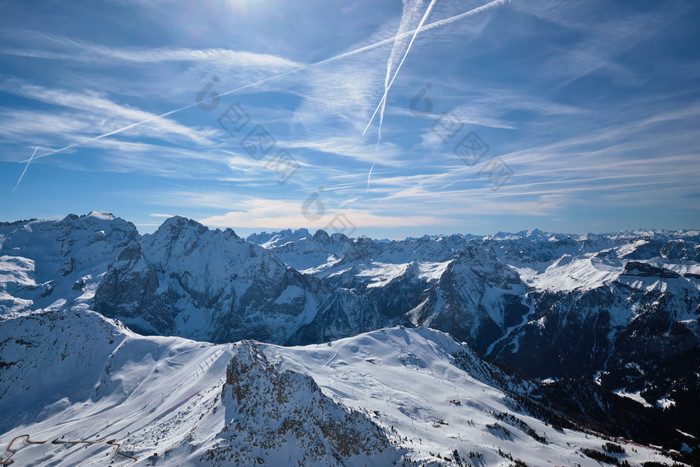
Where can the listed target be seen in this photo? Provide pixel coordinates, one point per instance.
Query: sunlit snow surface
(568, 274)
(94, 380)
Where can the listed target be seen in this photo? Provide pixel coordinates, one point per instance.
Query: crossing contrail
(359, 50)
(382, 102)
(25, 168)
(406, 16)
(388, 83)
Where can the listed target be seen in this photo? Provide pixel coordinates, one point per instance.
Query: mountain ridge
(620, 310)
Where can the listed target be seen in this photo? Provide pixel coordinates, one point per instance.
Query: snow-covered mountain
(621, 309)
(618, 311)
(58, 263)
(96, 393)
(190, 281)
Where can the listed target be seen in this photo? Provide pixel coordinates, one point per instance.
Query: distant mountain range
(615, 312)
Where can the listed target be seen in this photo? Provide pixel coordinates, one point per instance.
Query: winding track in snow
(27, 439)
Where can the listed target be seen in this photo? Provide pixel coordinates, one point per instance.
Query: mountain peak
(321, 235)
(178, 223)
(102, 215)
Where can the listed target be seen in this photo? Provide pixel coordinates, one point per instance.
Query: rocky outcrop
(283, 418)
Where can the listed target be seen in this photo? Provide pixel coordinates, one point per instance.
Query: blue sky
(499, 116)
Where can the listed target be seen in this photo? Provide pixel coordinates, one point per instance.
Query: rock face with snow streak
(211, 285)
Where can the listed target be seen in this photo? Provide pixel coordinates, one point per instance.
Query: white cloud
(74, 49)
(354, 147)
(276, 214)
(116, 114)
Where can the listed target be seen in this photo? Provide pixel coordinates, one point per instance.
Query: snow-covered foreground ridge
(394, 395)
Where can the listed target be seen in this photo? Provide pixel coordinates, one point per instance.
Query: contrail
(432, 25)
(389, 63)
(365, 48)
(388, 83)
(25, 168)
(382, 103)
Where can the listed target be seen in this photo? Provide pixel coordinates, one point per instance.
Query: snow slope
(173, 397)
(392, 395)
